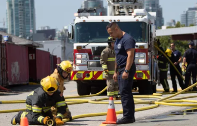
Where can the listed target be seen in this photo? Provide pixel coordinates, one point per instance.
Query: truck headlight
(142, 55)
(81, 56)
(78, 61)
(141, 60)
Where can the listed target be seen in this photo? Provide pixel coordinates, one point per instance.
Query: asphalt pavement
(160, 116)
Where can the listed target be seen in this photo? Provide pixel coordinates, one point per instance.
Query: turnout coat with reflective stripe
(39, 102)
(162, 61)
(107, 61)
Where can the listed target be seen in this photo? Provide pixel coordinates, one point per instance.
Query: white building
(55, 47)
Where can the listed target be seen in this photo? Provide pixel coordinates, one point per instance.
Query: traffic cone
(24, 122)
(111, 113)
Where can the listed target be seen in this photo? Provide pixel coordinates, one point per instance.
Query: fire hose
(156, 103)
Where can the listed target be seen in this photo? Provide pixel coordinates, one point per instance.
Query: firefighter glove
(59, 121)
(106, 71)
(68, 114)
(46, 119)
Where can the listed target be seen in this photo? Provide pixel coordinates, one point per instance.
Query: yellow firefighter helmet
(111, 39)
(49, 84)
(168, 52)
(66, 66)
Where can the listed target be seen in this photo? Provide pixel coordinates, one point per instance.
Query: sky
(60, 13)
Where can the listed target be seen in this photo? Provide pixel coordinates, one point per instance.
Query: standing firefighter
(39, 102)
(163, 68)
(108, 62)
(61, 74)
(190, 57)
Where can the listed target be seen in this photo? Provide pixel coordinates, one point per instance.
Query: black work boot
(125, 120)
(16, 119)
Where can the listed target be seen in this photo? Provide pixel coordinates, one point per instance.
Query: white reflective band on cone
(111, 104)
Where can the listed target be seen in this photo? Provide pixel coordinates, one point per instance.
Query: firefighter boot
(16, 119)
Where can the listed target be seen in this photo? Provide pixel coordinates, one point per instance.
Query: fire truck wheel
(83, 88)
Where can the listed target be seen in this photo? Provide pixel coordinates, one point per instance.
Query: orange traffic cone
(111, 113)
(24, 122)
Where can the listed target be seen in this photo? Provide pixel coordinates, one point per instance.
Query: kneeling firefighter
(61, 74)
(163, 68)
(39, 102)
(107, 61)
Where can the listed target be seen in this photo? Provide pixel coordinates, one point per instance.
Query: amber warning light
(79, 47)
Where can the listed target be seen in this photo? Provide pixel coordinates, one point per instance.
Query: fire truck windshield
(95, 32)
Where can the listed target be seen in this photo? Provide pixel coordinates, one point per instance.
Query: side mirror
(71, 32)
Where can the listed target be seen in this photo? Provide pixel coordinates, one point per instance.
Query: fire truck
(90, 36)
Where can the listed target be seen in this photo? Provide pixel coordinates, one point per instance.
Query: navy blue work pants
(125, 87)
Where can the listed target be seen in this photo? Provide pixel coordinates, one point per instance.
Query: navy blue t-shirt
(177, 55)
(191, 56)
(121, 46)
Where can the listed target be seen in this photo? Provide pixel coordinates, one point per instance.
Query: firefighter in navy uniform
(163, 67)
(61, 74)
(39, 102)
(190, 57)
(107, 61)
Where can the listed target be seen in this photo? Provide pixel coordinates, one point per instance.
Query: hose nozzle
(50, 122)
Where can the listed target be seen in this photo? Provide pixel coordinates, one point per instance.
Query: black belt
(119, 67)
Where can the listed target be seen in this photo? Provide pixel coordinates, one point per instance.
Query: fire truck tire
(83, 88)
(145, 87)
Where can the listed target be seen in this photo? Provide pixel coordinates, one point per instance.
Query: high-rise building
(172, 23)
(3, 30)
(184, 18)
(189, 17)
(21, 17)
(95, 4)
(153, 6)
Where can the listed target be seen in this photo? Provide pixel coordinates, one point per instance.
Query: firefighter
(107, 61)
(176, 59)
(61, 74)
(190, 57)
(39, 102)
(163, 68)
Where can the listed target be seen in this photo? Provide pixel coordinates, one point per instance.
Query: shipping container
(58, 60)
(42, 64)
(53, 63)
(32, 64)
(17, 64)
(3, 65)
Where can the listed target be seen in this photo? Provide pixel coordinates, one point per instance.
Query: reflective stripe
(28, 107)
(60, 115)
(59, 104)
(37, 109)
(104, 67)
(45, 109)
(163, 69)
(40, 118)
(111, 72)
(111, 59)
(167, 86)
(24, 114)
(110, 93)
(161, 62)
(115, 92)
